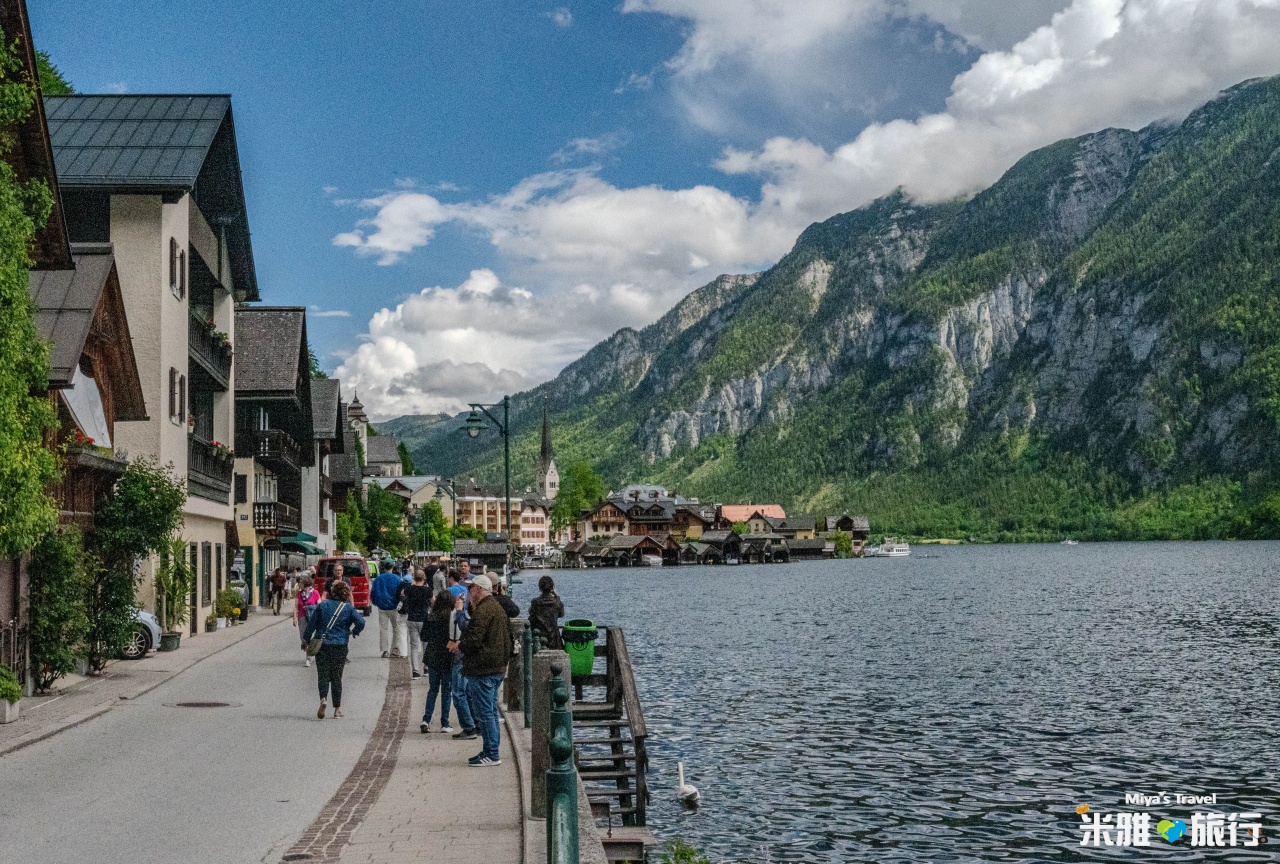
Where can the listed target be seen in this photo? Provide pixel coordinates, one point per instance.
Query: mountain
(1089, 347)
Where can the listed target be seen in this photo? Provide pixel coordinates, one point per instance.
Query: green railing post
(526, 658)
(562, 780)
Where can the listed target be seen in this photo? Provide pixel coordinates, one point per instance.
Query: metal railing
(275, 446)
(276, 516)
(562, 779)
(213, 355)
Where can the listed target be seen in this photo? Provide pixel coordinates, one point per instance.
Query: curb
(515, 736)
(75, 720)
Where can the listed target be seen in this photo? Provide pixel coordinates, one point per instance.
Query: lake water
(956, 705)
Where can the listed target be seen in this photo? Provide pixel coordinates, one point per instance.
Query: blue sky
(485, 189)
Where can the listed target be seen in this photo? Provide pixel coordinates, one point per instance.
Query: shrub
(10, 689)
(173, 580)
(110, 607)
(227, 602)
(843, 544)
(679, 852)
(59, 624)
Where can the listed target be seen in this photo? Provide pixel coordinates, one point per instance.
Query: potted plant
(10, 693)
(226, 605)
(173, 582)
(211, 623)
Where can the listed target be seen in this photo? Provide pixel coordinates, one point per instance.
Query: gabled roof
(344, 467)
(797, 545)
(792, 523)
(158, 143)
(270, 340)
(743, 512)
(717, 536)
(381, 449)
(69, 304)
(325, 394)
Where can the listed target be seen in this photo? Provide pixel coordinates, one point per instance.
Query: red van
(355, 572)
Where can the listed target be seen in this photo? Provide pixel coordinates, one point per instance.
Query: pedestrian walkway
(83, 699)
(436, 808)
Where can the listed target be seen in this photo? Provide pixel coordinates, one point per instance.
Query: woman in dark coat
(438, 660)
(545, 612)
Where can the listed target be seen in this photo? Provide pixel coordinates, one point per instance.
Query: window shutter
(173, 263)
(242, 489)
(182, 397)
(182, 274)
(173, 392)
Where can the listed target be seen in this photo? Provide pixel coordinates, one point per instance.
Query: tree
(741, 528)
(580, 489)
(137, 519)
(431, 530)
(349, 529)
(406, 461)
(843, 544)
(384, 520)
(317, 374)
(58, 623)
(27, 466)
(51, 81)
(468, 532)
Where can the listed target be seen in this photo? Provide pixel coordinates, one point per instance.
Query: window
(206, 574)
(173, 267)
(242, 489)
(217, 558)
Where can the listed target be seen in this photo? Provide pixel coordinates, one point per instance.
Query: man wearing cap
(486, 649)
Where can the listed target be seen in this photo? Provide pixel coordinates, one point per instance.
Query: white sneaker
(307, 662)
(448, 730)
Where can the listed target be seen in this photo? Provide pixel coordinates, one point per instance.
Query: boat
(652, 560)
(1070, 542)
(890, 548)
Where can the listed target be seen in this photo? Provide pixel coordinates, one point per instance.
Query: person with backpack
(306, 600)
(333, 621)
(545, 612)
(438, 660)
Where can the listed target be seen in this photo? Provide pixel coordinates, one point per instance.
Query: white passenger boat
(890, 548)
(652, 560)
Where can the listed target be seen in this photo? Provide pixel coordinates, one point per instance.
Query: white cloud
(597, 256)
(598, 146)
(317, 312)
(561, 16)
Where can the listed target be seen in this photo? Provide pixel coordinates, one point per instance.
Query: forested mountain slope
(1090, 347)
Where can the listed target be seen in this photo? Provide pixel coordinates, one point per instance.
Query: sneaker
(307, 662)
(320, 711)
(386, 654)
(475, 760)
(466, 735)
(337, 712)
(448, 730)
(416, 676)
(483, 762)
(424, 728)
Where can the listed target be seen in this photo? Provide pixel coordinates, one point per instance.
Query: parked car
(145, 635)
(355, 572)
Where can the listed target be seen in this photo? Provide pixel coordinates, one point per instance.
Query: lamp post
(475, 425)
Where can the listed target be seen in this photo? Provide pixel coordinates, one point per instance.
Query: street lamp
(475, 425)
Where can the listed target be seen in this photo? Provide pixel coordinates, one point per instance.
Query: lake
(956, 705)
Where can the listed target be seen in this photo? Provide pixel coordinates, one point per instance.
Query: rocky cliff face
(1112, 295)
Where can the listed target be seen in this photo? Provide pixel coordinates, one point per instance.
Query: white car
(145, 636)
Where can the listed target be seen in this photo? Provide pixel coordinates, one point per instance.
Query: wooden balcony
(326, 486)
(208, 471)
(275, 449)
(324, 525)
(212, 356)
(276, 517)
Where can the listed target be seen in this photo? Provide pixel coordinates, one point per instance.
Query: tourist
(385, 594)
(458, 622)
(303, 603)
(414, 606)
(486, 649)
(279, 579)
(295, 581)
(545, 613)
(333, 621)
(500, 593)
(438, 659)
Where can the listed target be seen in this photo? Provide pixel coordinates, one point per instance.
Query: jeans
(483, 693)
(415, 646)
(460, 703)
(330, 662)
(439, 681)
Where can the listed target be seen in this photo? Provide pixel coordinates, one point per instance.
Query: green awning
(300, 542)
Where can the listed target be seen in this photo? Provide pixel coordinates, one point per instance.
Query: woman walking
(545, 612)
(306, 600)
(415, 604)
(333, 621)
(438, 659)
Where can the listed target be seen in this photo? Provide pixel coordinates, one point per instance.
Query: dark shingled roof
(324, 406)
(133, 140)
(345, 467)
(65, 302)
(381, 449)
(269, 346)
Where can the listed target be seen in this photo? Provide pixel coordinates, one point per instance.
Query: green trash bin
(580, 644)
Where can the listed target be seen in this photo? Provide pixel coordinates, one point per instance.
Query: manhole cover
(203, 705)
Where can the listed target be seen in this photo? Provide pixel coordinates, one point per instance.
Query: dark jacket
(508, 605)
(545, 613)
(349, 621)
(416, 602)
(486, 643)
(435, 640)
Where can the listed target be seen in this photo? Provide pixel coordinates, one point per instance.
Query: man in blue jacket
(393, 634)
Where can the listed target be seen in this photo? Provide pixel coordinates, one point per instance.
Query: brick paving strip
(325, 838)
(83, 699)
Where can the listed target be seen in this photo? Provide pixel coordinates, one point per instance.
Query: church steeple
(548, 476)
(545, 456)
